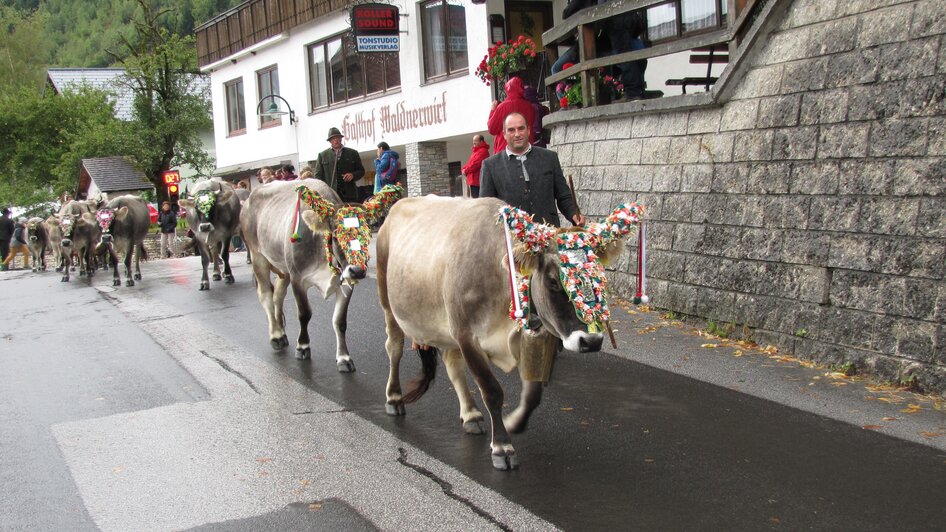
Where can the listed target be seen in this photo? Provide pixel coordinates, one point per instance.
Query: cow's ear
(86, 218)
(535, 237)
(226, 195)
(314, 222)
(121, 214)
(378, 205)
(52, 220)
(186, 203)
(609, 235)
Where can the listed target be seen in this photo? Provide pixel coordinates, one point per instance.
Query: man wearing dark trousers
(528, 177)
(6, 233)
(340, 167)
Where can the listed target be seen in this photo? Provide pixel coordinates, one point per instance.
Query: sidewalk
(645, 336)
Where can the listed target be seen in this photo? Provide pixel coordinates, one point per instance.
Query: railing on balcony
(254, 21)
(709, 42)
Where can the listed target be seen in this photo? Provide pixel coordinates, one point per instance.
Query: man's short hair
(478, 138)
(515, 113)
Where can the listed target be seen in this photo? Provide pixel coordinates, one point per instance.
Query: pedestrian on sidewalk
(6, 233)
(472, 168)
(167, 225)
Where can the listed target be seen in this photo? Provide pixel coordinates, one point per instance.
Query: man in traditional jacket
(340, 167)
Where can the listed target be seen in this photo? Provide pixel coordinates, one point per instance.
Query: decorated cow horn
(535, 236)
(615, 227)
(378, 205)
(322, 207)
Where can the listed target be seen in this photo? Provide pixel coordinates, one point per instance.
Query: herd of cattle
(443, 270)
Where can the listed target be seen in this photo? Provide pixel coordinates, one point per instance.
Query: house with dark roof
(109, 177)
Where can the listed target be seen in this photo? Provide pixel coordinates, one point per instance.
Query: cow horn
(378, 205)
(535, 236)
(322, 207)
(607, 236)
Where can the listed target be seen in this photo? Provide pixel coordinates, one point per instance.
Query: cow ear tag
(350, 222)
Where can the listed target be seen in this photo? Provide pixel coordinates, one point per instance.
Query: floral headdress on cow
(580, 269)
(351, 224)
(204, 201)
(104, 218)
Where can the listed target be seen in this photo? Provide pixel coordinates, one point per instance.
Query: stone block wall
(809, 201)
(426, 164)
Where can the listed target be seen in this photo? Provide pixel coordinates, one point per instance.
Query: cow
(80, 235)
(301, 232)
(54, 234)
(213, 214)
(444, 281)
(37, 241)
(124, 222)
(76, 208)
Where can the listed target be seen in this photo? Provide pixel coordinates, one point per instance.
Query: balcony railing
(582, 27)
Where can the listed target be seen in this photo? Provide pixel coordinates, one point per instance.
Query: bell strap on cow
(519, 311)
(104, 218)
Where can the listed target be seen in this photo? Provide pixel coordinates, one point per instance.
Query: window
(443, 28)
(236, 109)
(679, 17)
(267, 84)
(338, 74)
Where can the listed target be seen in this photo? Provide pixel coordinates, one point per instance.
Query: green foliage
(721, 330)
(43, 139)
(23, 49)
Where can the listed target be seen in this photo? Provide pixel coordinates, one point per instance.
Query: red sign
(171, 176)
(375, 19)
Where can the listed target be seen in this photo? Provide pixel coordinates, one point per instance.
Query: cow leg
(394, 345)
(470, 416)
(204, 259)
(304, 310)
(502, 451)
(137, 250)
(343, 360)
(129, 278)
(113, 258)
(528, 401)
(264, 291)
(227, 273)
(279, 299)
(66, 258)
(216, 258)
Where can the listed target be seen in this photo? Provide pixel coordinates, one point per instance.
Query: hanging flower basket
(502, 59)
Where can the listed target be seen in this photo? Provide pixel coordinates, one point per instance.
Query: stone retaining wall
(808, 202)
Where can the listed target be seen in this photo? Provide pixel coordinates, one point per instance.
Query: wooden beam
(594, 14)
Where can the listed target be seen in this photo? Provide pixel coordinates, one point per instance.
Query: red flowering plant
(503, 58)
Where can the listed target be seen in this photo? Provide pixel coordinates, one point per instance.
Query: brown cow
(443, 280)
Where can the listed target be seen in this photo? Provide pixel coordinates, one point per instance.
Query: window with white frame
(267, 84)
(682, 17)
(443, 31)
(338, 74)
(236, 109)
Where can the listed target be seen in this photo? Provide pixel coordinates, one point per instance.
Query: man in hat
(340, 167)
(6, 233)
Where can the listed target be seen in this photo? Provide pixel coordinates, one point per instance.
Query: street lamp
(272, 110)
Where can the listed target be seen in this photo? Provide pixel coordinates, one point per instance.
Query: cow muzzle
(66, 243)
(583, 342)
(353, 273)
(33, 239)
(205, 227)
(106, 239)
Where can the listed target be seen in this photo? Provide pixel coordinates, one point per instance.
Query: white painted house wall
(466, 109)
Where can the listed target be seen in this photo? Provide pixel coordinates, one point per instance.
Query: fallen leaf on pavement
(649, 460)
(709, 346)
(567, 409)
(314, 507)
(911, 409)
(871, 427)
(931, 434)
(264, 460)
(889, 419)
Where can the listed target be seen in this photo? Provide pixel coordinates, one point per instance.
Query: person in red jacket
(514, 103)
(472, 168)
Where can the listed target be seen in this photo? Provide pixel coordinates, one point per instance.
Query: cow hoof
(72, 269)
(59, 269)
(394, 409)
(474, 426)
(279, 343)
(64, 280)
(506, 463)
(129, 282)
(216, 277)
(303, 353)
(137, 276)
(204, 285)
(105, 268)
(345, 366)
(116, 282)
(230, 279)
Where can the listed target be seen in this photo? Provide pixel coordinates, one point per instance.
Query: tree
(171, 104)
(23, 49)
(44, 138)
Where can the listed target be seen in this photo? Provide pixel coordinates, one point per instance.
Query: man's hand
(578, 219)
(348, 177)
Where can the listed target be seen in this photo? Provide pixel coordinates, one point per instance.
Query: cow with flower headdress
(80, 234)
(123, 223)
(483, 283)
(301, 232)
(213, 214)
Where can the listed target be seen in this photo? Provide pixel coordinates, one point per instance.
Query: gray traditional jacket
(502, 177)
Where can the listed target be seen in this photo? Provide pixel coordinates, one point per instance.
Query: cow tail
(142, 252)
(418, 387)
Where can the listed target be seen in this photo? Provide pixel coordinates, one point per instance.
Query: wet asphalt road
(616, 445)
